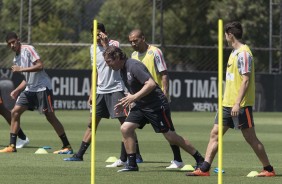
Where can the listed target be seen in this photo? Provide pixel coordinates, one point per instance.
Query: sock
(123, 154)
(13, 139)
(268, 168)
(65, 140)
(83, 147)
(132, 159)
(205, 167)
(137, 148)
(176, 153)
(198, 157)
(21, 134)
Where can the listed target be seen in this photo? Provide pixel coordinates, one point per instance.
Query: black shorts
(160, 119)
(105, 105)
(42, 100)
(245, 117)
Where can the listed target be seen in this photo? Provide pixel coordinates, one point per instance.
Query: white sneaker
(117, 163)
(175, 165)
(22, 143)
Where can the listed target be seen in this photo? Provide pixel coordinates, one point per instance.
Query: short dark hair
(11, 35)
(114, 52)
(100, 26)
(234, 28)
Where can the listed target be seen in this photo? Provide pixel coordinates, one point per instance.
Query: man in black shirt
(151, 106)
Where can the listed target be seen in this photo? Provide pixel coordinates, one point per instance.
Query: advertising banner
(190, 91)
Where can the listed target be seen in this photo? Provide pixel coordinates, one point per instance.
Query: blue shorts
(159, 119)
(245, 117)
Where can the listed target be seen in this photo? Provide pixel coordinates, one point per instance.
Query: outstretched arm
(148, 87)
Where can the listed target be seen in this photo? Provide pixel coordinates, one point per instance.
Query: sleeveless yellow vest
(234, 81)
(148, 59)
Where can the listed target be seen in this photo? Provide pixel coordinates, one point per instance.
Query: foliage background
(186, 30)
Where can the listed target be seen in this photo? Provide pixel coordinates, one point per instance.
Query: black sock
(123, 154)
(21, 134)
(13, 139)
(268, 168)
(198, 157)
(176, 153)
(132, 159)
(137, 147)
(65, 140)
(205, 167)
(83, 147)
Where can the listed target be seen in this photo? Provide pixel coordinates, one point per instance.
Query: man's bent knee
(128, 128)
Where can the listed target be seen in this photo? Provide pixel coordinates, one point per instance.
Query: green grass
(25, 167)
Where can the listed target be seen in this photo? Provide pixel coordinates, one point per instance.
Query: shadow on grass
(166, 170)
(158, 162)
(24, 147)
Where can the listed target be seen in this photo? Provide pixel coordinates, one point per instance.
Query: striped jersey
(154, 61)
(35, 81)
(240, 62)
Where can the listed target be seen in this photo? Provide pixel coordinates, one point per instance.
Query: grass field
(25, 167)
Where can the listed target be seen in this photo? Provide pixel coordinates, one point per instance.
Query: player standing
(152, 57)
(35, 91)
(239, 97)
(110, 88)
(151, 106)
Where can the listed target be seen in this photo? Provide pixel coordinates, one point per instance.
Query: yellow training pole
(220, 74)
(94, 75)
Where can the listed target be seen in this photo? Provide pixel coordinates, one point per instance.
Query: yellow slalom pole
(220, 113)
(93, 118)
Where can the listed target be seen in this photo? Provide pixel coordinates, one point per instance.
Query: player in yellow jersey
(239, 97)
(152, 58)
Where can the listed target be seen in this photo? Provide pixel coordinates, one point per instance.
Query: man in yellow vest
(152, 57)
(239, 97)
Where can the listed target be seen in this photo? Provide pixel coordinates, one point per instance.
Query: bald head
(137, 33)
(137, 40)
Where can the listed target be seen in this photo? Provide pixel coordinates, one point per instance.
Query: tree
(255, 21)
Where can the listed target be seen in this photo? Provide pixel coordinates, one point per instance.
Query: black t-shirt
(134, 75)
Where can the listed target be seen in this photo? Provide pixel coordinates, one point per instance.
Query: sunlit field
(25, 167)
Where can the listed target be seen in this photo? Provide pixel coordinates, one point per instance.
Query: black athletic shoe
(129, 168)
(198, 165)
(139, 159)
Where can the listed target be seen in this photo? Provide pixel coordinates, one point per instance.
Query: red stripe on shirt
(162, 60)
(114, 43)
(31, 51)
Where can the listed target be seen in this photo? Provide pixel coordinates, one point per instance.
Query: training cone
(253, 174)
(41, 151)
(111, 159)
(187, 168)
